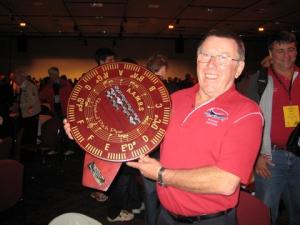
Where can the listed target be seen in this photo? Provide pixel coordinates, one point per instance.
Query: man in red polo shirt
(211, 142)
(277, 169)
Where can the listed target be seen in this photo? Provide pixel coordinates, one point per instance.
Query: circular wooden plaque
(119, 111)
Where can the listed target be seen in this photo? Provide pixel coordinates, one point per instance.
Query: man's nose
(213, 61)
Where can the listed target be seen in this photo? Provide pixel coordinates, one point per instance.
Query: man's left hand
(148, 167)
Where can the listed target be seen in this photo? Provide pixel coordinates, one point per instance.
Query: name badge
(291, 115)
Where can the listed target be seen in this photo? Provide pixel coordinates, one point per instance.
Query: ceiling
(146, 18)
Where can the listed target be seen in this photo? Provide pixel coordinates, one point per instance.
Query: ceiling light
(209, 10)
(261, 29)
(153, 6)
(96, 4)
(171, 26)
(22, 24)
(99, 17)
(104, 31)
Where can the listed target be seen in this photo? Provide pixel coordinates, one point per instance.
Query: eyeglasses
(282, 51)
(220, 59)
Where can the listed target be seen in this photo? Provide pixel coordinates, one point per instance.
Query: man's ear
(240, 68)
(270, 53)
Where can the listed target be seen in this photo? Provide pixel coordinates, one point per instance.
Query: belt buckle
(183, 219)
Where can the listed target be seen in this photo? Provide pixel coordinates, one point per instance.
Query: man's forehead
(219, 44)
(282, 45)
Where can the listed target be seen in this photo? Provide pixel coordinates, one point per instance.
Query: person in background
(157, 64)
(6, 101)
(278, 170)
(56, 93)
(206, 154)
(102, 56)
(29, 108)
(187, 82)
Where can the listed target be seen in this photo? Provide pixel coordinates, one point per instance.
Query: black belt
(275, 147)
(192, 219)
(294, 151)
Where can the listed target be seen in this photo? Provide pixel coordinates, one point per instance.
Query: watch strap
(160, 176)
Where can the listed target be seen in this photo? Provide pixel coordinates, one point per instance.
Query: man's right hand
(261, 166)
(67, 128)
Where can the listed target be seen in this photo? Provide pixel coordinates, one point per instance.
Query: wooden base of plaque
(97, 173)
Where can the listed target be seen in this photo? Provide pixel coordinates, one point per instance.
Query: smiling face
(216, 77)
(283, 55)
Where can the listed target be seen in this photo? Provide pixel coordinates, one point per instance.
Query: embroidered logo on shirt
(217, 113)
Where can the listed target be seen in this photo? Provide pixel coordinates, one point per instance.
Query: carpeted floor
(54, 187)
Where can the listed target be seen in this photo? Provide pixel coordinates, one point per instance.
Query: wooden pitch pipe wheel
(118, 112)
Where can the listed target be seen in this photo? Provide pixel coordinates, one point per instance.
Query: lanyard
(289, 89)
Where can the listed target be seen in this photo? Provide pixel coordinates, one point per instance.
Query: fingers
(138, 165)
(264, 173)
(144, 158)
(67, 128)
(270, 163)
(65, 121)
(133, 165)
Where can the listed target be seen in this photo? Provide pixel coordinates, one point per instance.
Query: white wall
(74, 58)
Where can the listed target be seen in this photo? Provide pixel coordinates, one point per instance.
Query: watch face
(119, 111)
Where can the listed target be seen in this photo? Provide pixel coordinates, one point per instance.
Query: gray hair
(225, 34)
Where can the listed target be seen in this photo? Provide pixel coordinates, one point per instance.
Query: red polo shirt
(281, 97)
(225, 132)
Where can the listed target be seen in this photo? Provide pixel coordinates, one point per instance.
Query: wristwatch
(160, 178)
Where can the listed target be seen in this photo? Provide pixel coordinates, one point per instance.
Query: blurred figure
(104, 55)
(56, 93)
(6, 100)
(278, 168)
(187, 82)
(29, 108)
(157, 64)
